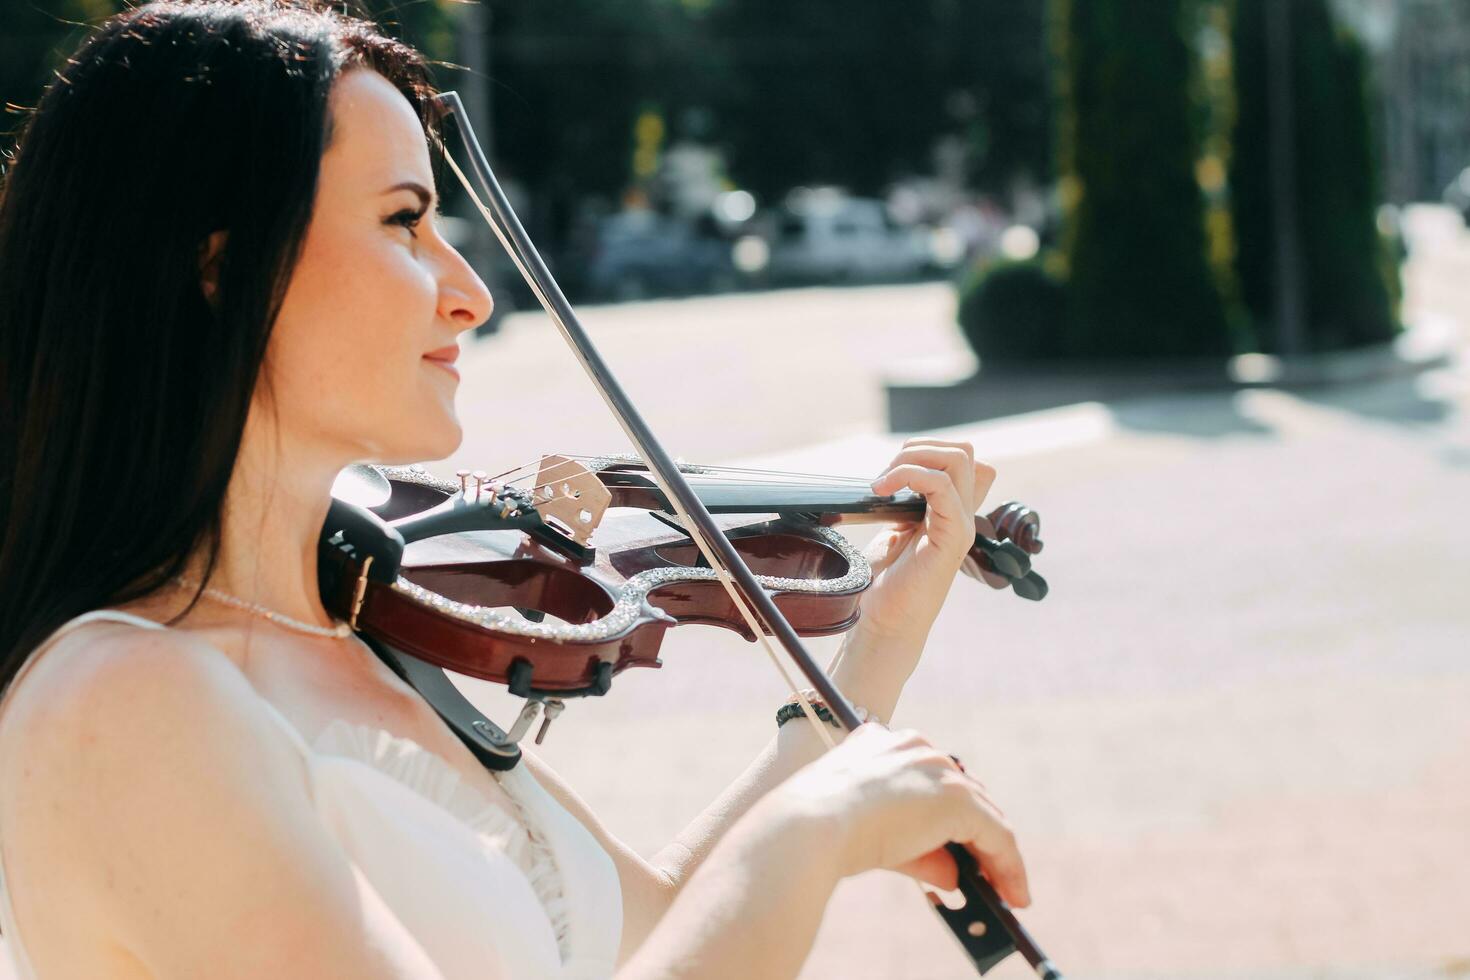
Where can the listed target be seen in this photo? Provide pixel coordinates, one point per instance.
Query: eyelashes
(411, 217)
(407, 218)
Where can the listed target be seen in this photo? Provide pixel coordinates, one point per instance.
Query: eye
(407, 218)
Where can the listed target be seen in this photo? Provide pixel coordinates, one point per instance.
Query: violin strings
(792, 475)
(707, 484)
(502, 477)
(711, 559)
(739, 476)
(575, 460)
(788, 474)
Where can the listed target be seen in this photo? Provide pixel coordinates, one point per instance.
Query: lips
(444, 357)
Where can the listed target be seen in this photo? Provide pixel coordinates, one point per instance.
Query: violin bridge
(570, 498)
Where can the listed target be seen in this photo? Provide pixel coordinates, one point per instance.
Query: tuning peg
(464, 479)
(1016, 554)
(1005, 557)
(1031, 586)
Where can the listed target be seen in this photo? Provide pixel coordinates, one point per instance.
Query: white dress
(488, 894)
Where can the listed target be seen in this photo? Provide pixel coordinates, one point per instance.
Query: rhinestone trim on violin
(599, 463)
(419, 475)
(632, 597)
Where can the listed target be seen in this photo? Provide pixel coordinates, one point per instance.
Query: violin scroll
(1005, 540)
(1017, 522)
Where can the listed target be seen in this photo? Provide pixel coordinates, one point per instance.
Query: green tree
(1139, 282)
(1347, 275)
(855, 92)
(569, 80)
(36, 37)
(850, 92)
(997, 56)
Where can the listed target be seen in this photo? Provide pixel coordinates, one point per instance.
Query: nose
(464, 299)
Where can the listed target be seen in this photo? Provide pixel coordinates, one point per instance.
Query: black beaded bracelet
(793, 709)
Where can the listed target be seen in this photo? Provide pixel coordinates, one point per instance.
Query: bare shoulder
(107, 693)
(146, 720)
(114, 747)
(146, 791)
(116, 668)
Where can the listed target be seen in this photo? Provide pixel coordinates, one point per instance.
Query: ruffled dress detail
(436, 780)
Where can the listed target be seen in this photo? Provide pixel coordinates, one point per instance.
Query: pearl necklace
(339, 632)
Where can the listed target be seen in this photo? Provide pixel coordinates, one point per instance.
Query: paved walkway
(1235, 739)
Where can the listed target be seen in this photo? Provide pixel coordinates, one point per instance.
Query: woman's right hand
(899, 800)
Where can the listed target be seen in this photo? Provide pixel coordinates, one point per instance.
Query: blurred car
(823, 236)
(637, 254)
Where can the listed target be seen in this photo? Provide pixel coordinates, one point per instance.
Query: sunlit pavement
(1235, 739)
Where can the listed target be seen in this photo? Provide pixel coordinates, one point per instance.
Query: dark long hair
(123, 391)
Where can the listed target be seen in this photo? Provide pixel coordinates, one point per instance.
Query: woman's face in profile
(358, 356)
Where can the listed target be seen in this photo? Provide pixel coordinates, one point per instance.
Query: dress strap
(96, 615)
(110, 615)
(118, 616)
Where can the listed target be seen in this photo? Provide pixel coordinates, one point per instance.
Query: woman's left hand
(915, 564)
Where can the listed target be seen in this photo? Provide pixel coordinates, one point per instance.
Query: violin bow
(985, 925)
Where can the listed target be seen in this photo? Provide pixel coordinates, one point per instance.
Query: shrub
(1014, 311)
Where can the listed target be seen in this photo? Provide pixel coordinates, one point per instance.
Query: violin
(554, 588)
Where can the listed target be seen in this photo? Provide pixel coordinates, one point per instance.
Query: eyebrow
(424, 194)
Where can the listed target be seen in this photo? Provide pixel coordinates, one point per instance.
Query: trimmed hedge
(1014, 311)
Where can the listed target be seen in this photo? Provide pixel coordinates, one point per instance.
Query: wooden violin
(555, 589)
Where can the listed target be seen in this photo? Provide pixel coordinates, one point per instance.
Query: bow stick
(985, 926)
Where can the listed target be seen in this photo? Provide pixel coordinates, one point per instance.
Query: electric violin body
(555, 589)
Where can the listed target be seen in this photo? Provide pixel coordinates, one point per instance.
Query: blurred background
(1194, 274)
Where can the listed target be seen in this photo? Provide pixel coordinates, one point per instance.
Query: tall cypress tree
(1139, 281)
(1344, 269)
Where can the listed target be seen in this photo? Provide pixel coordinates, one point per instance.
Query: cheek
(363, 299)
(377, 301)
(355, 323)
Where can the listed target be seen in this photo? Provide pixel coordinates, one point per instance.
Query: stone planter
(931, 396)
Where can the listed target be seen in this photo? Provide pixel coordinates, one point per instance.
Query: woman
(221, 281)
